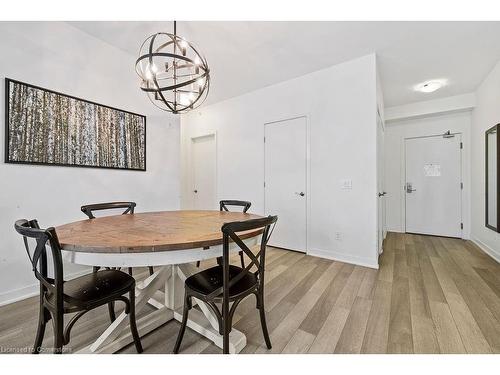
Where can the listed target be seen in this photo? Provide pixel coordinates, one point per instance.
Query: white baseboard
(488, 250)
(31, 290)
(364, 262)
(396, 230)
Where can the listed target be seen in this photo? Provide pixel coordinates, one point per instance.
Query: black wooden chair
(89, 210)
(80, 295)
(223, 207)
(227, 283)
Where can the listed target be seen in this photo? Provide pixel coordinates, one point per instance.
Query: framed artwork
(50, 128)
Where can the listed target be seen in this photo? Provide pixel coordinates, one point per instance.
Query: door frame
(308, 169)
(190, 164)
(384, 210)
(403, 179)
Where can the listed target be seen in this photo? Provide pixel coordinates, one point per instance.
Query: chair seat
(206, 281)
(94, 289)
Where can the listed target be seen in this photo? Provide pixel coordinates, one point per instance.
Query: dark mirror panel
(492, 177)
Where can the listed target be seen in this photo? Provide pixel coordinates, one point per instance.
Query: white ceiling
(244, 56)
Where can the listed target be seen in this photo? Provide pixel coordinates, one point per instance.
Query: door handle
(301, 193)
(195, 191)
(409, 188)
(382, 194)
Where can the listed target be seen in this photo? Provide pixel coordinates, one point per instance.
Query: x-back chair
(225, 284)
(129, 207)
(79, 295)
(223, 206)
(89, 210)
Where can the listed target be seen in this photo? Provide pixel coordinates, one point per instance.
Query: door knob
(382, 194)
(195, 191)
(301, 193)
(409, 187)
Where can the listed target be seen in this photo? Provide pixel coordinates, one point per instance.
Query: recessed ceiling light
(430, 86)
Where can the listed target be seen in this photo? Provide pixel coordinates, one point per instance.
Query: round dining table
(171, 241)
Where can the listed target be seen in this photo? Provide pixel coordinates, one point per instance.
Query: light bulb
(184, 99)
(150, 71)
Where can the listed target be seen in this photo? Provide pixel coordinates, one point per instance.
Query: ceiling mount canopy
(174, 74)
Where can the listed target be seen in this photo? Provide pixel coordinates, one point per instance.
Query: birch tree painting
(51, 128)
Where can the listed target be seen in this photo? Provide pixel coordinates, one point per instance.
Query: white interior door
(433, 185)
(380, 184)
(286, 182)
(203, 169)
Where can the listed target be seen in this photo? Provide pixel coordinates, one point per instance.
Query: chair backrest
(31, 230)
(232, 232)
(224, 203)
(90, 208)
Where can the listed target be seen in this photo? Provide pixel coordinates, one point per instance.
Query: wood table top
(149, 231)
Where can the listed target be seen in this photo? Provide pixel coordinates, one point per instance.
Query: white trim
(395, 230)
(341, 257)
(488, 250)
(30, 290)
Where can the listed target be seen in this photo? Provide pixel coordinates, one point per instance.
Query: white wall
(340, 105)
(485, 115)
(395, 134)
(57, 56)
(434, 107)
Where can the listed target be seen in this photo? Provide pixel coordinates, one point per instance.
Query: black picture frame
(493, 129)
(9, 81)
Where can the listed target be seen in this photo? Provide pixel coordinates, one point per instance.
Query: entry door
(203, 157)
(433, 185)
(285, 181)
(380, 183)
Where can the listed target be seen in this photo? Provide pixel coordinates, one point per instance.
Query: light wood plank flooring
(430, 295)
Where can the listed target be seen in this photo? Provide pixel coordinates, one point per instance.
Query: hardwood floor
(430, 295)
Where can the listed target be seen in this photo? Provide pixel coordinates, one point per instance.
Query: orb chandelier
(174, 75)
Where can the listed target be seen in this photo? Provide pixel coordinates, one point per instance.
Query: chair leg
(225, 337)
(58, 323)
(260, 296)
(219, 261)
(111, 310)
(242, 257)
(133, 325)
(151, 270)
(130, 271)
(198, 264)
(40, 332)
(185, 313)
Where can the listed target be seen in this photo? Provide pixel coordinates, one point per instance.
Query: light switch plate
(346, 184)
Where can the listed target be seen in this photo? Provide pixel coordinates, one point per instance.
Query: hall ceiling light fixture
(430, 86)
(174, 74)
